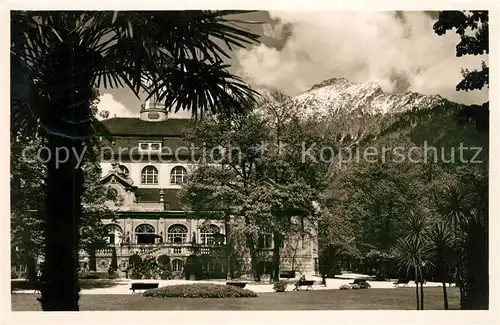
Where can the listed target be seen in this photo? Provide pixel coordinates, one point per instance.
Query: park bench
(403, 282)
(237, 284)
(143, 286)
(303, 283)
(287, 274)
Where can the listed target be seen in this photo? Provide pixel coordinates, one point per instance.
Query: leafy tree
(473, 28)
(289, 183)
(58, 58)
(235, 145)
(95, 198)
(261, 179)
(28, 188)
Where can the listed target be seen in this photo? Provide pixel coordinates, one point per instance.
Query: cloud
(398, 51)
(114, 107)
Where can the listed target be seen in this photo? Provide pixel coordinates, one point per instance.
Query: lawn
(84, 284)
(401, 298)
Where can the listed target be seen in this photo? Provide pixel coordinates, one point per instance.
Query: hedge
(199, 290)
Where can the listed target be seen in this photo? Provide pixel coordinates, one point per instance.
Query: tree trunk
(276, 256)
(31, 268)
(421, 292)
(92, 260)
(62, 217)
(416, 289)
(229, 248)
(445, 296)
(253, 257)
(477, 275)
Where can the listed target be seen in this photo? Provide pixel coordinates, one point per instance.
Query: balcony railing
(168, 249)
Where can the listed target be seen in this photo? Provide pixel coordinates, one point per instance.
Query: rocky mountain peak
(341, 96)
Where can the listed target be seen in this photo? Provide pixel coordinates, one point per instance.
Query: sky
(298, 49)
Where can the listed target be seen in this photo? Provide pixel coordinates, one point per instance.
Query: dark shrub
(133, 259)
(364, 285)
(164, 267)
(163, 260)
(199, 290)
(279, 286)
(146, 269)
(193, 267)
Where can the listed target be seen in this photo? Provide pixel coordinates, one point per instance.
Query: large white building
(150, 164)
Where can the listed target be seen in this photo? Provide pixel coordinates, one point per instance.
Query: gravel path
(123, 285)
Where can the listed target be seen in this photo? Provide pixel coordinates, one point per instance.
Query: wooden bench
(404, 282)
(287, 274)
(237, 284)
(303, 283)
(143, 286)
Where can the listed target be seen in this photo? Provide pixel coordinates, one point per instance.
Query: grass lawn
(84, 284)
(400, 298)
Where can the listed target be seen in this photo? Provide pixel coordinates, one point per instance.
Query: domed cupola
(153, 111)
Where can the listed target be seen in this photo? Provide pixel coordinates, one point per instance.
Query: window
(114, 234)
(207, 234)
(178, 175)
(145, 234)
(177, 234)
(177, 265)
(205, 251)
(150, 146)
(149, 175)
(265, 241)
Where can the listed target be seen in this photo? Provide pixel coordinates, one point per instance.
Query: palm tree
(412, 251)
(441, 239)
(453, 205)
(465, 210)
(58, 58)
(417, 224)
(411, 255)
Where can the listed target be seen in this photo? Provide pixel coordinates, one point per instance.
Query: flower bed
(199, 290)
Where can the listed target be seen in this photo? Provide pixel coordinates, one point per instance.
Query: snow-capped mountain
(340, 96)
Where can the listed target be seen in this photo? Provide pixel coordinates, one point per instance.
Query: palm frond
(60, 56)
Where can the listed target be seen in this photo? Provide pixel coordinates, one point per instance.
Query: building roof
(134, 126)
(149, 195)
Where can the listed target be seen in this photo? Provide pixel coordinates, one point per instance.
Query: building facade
(148, 162)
